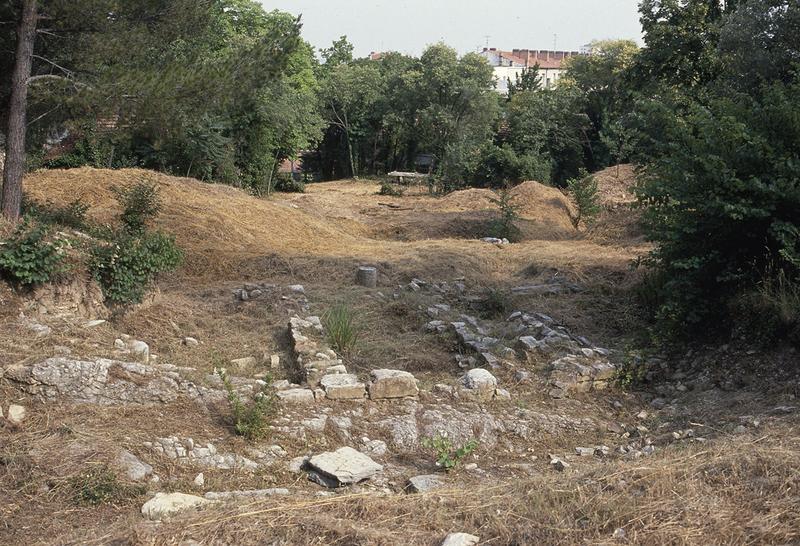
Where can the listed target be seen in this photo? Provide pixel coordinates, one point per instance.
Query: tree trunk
(350, 155)
(17, 113)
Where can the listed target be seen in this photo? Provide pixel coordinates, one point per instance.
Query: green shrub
(140, 204)
(287, 184)
(499, 165)
(504, 225)
(391, 190)
(341, 329)
(29, 257)
(250, 419)
(127, 265)
(584, 192)
(447, 456)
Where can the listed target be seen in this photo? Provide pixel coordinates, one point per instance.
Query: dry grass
(743, 492)
(228, 233)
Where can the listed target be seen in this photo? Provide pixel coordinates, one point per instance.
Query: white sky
(409, 25)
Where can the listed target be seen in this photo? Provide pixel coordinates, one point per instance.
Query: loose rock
(16, 413)
(392, 384)
(344, 466)
(135, 470)
(164, 505)
(424, 483)
(460, 539)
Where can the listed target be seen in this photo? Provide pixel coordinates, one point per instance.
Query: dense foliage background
(708, 110)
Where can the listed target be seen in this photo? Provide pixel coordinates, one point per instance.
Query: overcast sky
(409, 25)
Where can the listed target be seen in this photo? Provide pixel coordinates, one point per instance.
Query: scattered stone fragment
(558, 464)
(522, 376)
(16, 413)
(249, 494)
(184, 451)
(190, 342)
(502, 394)
(616, 428)
(460, 539)
(482, 383)
(119, 345)
(200, 480)
(424, 483)
(164, 505)
(140, 350)
(584, 451)
(275, 362)
(93, 323)
(297, 288)
(374, 448)
(619, 534)
(343, 387)
(135, 470)
(246, 363)
(344, 466)
(602, 451)
(392, 384)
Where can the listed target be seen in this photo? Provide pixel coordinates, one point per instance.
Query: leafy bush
(448, 457)
(341, 328)
(29, 257)
(504, 226)
(287, 184)
(127, 265)
(250, 418)
(584, 192)
(140, 204)
(389, 189)
(722, 194)
(499, 165)
(72, 215)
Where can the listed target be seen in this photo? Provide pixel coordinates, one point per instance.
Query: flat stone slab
(424, 483)
(344, 466)
(296, 396)
(392, 384)
(460, 539)
(249, 494)
(343, 387)
(164, 505)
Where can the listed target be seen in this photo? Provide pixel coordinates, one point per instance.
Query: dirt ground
(735, 479)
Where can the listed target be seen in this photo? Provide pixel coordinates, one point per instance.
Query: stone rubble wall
(106, 382)
(325, 376)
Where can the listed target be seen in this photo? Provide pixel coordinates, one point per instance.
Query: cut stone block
(342, 387)
(392, 384)
(296, 396)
